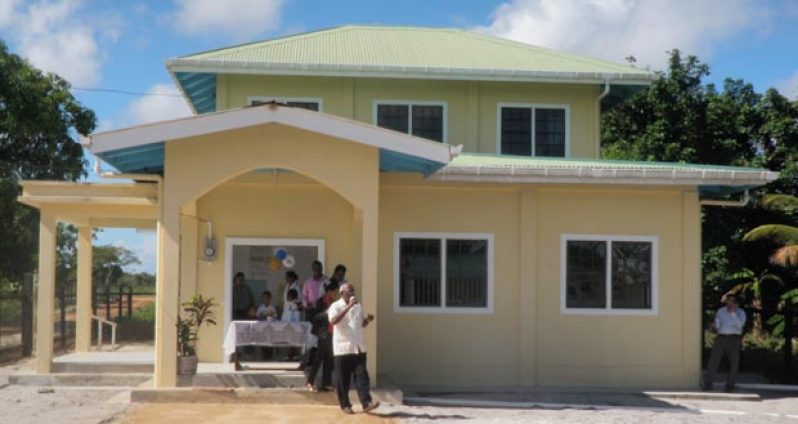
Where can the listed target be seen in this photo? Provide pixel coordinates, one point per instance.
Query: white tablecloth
(266, 333)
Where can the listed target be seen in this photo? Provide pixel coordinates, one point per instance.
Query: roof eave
(407, 72)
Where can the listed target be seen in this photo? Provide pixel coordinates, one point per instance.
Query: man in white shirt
(349, 348)
(729, 322)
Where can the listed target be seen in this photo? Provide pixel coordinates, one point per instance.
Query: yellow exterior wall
(527, 340)
(471, 106)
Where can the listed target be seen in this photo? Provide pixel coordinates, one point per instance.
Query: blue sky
(108, 44)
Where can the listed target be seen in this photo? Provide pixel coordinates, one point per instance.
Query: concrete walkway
(242, 414)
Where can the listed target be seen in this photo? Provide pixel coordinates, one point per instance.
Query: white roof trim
(265, 114)
(598, 175)
(388, 71)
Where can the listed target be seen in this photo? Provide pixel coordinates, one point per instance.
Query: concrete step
(101, 368)
(249, 379)
(81, 379)
(282, 396)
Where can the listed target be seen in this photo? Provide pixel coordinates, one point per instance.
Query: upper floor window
(421, 119)
(533, 130)
(313, 104)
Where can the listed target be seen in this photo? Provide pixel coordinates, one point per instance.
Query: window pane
(467, 273)
(428, 122)
(420, 272)
(394, 117)
(550, 132)
(586, 278)
(516, 134)
(631, 275)
(304, 105)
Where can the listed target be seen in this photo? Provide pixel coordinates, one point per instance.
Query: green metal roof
(407, 52)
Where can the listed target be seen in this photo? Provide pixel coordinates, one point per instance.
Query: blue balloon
(280, 254)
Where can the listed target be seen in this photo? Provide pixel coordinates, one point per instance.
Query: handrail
(100, 323)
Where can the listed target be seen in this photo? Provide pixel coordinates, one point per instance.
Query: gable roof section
(394, 52)
(516, 169)
(140, 149)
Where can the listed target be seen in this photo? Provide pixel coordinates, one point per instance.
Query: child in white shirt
(266, 310)
(291, 308)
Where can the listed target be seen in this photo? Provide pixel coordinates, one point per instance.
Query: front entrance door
(264, 262)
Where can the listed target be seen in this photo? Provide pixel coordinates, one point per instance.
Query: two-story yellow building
(457, 175)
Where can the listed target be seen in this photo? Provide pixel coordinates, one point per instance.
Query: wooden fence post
(26, 299)
(129, 301)
(108, 302)
(121, 298)
(62, 307)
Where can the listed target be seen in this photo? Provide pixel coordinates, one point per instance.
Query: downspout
(603, 94)
(728, 203)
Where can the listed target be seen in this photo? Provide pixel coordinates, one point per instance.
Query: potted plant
(198, 311)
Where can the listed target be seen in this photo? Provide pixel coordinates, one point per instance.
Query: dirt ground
(240, 414)
(29, 404)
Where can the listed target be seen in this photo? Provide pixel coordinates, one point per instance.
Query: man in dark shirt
(321, 329)
(242, 298)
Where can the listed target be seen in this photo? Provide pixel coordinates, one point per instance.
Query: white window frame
(534, 106)
(281, 99)
(442, 309)
(230, 242)
(410, 103)
(608, 310)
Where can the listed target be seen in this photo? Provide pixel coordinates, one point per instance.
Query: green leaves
(199, 311)
(775, 233)
(39, 118)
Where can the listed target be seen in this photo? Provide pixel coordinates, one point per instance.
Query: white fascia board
(265, 114)
(410, 72)
(605, 176)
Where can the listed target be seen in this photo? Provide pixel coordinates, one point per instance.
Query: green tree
(785, 240)
(109, 264)
(39, 119)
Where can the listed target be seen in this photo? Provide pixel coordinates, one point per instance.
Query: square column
(45, 298)
(83, 310)
(369, 254)
(166, 297)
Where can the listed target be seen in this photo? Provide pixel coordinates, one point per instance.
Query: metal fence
(118, 304)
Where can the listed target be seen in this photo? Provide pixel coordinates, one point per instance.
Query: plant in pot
(198, 311)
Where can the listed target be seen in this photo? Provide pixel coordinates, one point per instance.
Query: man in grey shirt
(729, 322)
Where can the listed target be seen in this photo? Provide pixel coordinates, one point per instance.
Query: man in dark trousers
(349, 348)
(324, 350)
(729, 322)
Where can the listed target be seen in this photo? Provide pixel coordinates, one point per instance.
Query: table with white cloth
(266, 333)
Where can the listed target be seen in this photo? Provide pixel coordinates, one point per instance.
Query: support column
(189, 253)
(84, 290)
(691, 288)
(527, 302)
(369, 256)
(45, 299)
(166, 297)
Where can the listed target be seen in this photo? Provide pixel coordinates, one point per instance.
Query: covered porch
(206, 169)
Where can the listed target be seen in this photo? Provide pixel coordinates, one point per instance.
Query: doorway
(264, 262)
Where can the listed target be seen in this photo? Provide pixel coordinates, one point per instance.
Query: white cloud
(161, 102)
(53, 36)
(788, 87)
(235, 19)
(615, 29)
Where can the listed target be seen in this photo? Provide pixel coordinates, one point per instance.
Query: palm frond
(776, 233)
(780, 202)
(786, 256)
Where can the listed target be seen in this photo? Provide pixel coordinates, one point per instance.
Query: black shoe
(371, 406)
(729, 389)
(347, 410)
(706, 387)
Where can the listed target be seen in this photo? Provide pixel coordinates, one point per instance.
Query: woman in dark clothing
(321, 329)
(243, 300)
